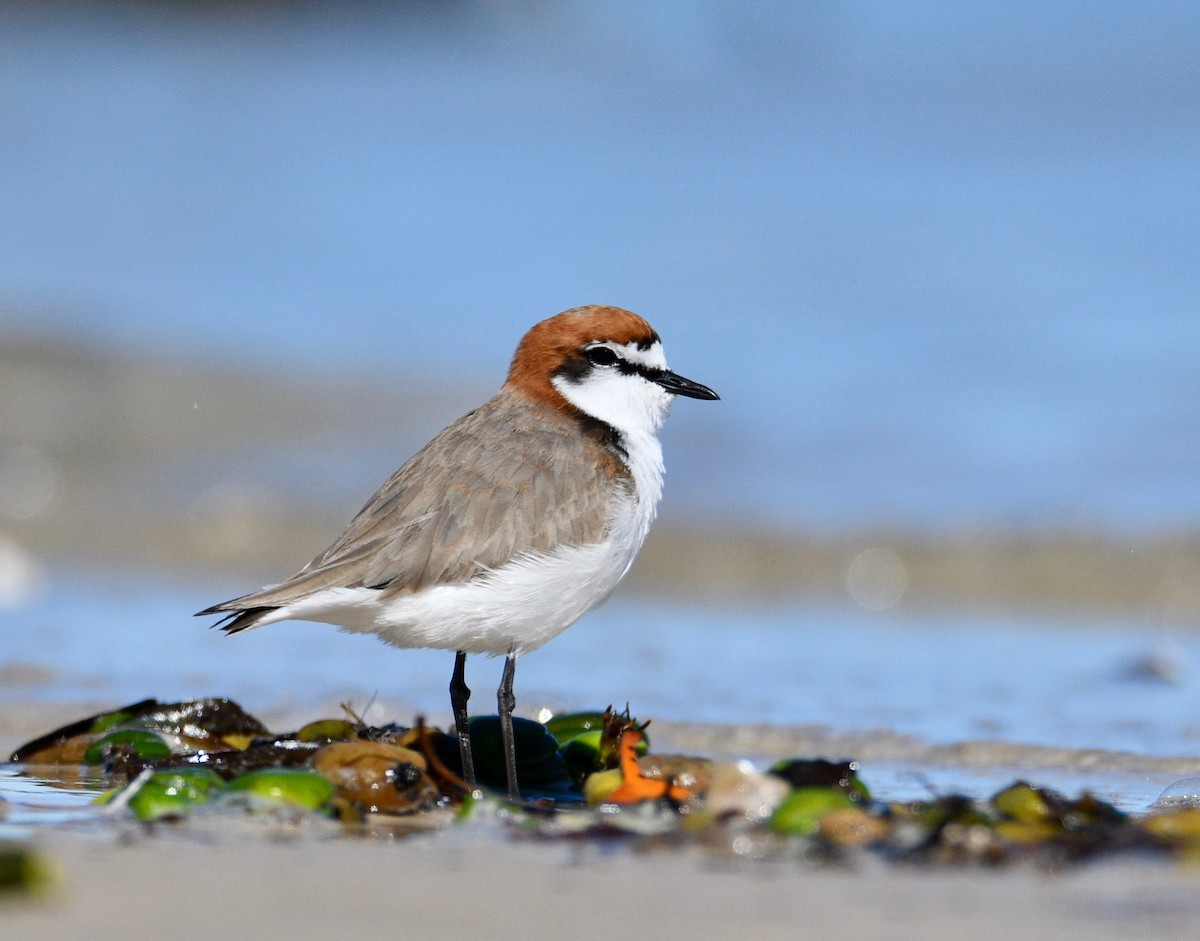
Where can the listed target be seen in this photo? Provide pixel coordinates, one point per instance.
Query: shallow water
(32, 801)
(943, 679)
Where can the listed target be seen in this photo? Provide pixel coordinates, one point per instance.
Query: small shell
(738, 790)
(378, 777)
(684, 770)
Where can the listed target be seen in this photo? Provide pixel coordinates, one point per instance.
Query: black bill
(677, 385)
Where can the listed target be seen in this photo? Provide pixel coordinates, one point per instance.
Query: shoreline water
(894, 765)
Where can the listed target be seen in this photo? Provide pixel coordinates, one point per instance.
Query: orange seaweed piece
(634, 785)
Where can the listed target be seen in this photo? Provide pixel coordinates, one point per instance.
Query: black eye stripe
(624, 366)
(576, 368)
(637, 369)
(607, 356)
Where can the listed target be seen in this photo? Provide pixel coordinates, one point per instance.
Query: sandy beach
(461, 885)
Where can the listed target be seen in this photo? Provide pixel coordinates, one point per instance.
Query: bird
(512, 522)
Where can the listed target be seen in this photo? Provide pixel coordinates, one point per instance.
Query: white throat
(635, 407)
(625, 401)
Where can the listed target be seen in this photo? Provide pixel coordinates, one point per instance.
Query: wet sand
(456, 886)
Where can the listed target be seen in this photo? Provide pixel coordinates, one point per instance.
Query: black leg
(506, 701)
(459, 694)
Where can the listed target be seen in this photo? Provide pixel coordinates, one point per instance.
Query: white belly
(515, 608)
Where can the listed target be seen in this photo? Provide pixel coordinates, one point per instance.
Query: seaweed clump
(588, 775)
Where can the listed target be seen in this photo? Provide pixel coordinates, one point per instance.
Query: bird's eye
(600, 356)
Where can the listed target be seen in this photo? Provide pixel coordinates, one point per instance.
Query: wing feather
(509, 478)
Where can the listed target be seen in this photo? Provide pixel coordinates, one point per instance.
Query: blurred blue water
(939, 259)
(943, 679)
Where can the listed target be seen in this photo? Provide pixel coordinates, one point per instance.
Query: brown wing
(507, 478)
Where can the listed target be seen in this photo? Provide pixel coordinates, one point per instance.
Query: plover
(512, 522)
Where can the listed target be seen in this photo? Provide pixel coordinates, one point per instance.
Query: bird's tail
(236, 618)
